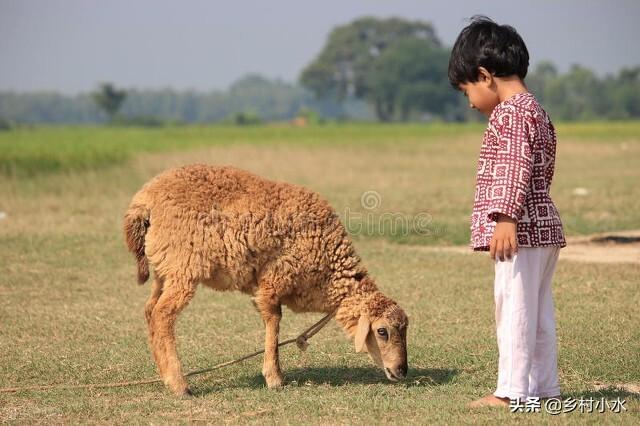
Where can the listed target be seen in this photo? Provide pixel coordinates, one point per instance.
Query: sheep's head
(382, 333)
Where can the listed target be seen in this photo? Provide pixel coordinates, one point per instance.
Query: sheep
(281, 243)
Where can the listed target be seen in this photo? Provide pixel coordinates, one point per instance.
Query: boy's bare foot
(489, 401)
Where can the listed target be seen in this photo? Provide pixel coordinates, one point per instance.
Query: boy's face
(481, 94)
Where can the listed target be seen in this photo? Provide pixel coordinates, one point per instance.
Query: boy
(513, 216)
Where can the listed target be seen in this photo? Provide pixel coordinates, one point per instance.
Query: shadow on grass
(340, 376)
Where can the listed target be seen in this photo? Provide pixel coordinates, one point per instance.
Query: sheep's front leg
(175, 296)
(271, 313)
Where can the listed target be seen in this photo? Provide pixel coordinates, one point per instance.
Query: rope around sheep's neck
(301, 341)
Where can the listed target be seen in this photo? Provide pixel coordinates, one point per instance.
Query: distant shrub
(5, 124)
(144, 121)
(246, 119)
(309, 116)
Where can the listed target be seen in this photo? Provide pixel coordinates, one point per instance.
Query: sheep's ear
(364, 325)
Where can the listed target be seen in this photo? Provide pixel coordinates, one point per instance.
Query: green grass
(33, 151)
(602, 131)
(70, 311)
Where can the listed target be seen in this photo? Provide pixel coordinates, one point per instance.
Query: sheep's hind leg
(271, 312)
(156, 292)
(175, 296)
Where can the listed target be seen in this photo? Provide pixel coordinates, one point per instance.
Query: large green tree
(109, 99)
(409, 77)
(343, 66)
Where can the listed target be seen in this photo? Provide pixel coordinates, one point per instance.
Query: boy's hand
(504, 243)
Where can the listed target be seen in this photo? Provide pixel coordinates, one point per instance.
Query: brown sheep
(281, 243)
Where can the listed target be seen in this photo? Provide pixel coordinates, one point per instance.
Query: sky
(69, 46)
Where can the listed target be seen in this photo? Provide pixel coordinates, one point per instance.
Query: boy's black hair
(483, 43)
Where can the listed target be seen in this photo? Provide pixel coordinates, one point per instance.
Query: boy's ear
(362, 332)
(484, 75)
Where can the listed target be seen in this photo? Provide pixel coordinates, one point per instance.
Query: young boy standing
(513, 215)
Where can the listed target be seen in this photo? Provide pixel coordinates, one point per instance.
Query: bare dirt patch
(610, 247)
(627, 387)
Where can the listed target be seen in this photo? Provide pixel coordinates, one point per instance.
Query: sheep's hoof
(274, 381)
(186, 394)
(182, 391)
(275, 384)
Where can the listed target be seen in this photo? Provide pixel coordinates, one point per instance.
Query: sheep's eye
(383, 332)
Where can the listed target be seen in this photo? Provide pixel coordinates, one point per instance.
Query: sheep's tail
(136, 222)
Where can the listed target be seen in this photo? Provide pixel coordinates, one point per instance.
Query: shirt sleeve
(513, 164)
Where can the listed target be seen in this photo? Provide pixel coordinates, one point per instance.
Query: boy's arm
(511, 178)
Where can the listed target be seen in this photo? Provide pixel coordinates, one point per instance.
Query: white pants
(526, 326)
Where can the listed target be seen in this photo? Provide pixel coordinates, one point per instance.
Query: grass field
(70, 311)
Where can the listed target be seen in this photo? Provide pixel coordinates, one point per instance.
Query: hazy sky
(70, 45)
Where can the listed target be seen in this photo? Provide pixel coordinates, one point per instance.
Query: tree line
(384, 69)
(251, 96)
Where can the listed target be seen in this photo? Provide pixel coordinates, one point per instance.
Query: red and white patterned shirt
(514, 175)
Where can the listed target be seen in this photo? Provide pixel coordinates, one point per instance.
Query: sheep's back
(205, 218)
